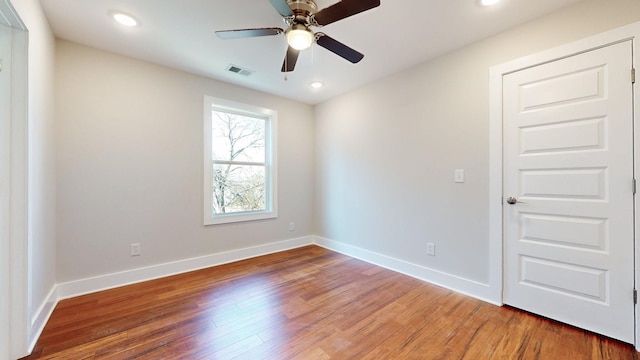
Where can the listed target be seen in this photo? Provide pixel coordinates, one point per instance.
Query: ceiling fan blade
(290, 60)
(344, 9)
(245, 33)
(282, 7)
(338, 48)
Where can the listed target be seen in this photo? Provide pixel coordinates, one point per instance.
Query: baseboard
(458, 284)
(41, 316)
(90, 285)
(103, 282)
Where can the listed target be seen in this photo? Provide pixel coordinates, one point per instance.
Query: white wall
(386, 153)
(129, 157)
(41, 165)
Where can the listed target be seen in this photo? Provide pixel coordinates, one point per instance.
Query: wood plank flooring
(307, 303)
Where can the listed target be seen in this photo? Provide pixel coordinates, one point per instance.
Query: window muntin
(240, 176)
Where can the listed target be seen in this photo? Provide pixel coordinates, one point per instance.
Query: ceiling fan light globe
(299, 38)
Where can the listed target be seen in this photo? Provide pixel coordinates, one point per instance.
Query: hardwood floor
(307, 303)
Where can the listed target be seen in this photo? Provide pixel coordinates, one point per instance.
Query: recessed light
(317, 84)
(489, 2)
(124, 19)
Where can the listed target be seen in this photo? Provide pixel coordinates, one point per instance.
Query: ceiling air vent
(238, 70)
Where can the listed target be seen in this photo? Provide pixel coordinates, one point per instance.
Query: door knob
(511, 200)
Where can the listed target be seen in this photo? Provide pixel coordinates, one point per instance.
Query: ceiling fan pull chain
(286, 58)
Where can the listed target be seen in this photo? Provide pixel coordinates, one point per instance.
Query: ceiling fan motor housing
(303, 7)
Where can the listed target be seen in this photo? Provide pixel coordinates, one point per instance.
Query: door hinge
(635, 296)
(633, 76)
(634, 186)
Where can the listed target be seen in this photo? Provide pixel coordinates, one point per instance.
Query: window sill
(240, 217)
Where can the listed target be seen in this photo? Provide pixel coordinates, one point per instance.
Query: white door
(568, 161)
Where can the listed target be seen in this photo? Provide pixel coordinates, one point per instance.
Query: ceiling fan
(300, 16)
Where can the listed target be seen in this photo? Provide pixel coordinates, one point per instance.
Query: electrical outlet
(292, 226)
(135, 249)
(431, 249)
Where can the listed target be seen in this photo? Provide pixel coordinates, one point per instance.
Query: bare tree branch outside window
(239, 163)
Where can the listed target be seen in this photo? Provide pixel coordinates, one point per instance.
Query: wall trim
(109, 281)
(16, 333)
(90, 285)
(9, 16)
(41, 316)
(85, 286)
(458, 284)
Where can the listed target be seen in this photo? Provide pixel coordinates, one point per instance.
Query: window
(239, 162)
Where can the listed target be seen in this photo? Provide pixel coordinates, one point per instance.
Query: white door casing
(5, 248)
(568, 159)
(13, 181)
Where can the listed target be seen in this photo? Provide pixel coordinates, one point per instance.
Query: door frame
(496, 73)
(14, 180)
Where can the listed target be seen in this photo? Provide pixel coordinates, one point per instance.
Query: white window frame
(271, 170)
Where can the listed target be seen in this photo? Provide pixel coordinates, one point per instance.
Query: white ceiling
(180, 34)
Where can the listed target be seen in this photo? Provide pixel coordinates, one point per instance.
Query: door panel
(568, 160)
(574, 135)
(563, 89)
(564, 278)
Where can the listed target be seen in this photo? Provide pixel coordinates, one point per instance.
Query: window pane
(240, 158)
(237, 138)
(238, 188)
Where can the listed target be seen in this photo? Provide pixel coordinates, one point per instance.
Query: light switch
(459, 176)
